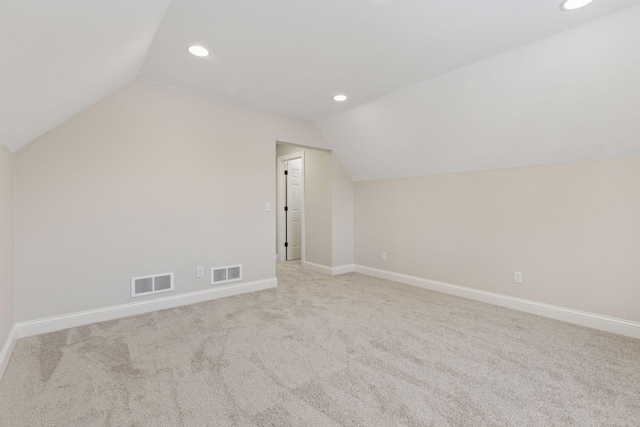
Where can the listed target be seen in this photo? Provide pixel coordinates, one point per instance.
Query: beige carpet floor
(321, 351)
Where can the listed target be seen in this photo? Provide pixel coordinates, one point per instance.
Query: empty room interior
(320, 213)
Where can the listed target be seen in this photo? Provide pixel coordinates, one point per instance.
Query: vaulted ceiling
(419, 74)
(59, 57)
(292, 56)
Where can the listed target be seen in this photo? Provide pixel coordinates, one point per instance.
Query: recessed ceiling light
(198, 51)
(574, 4)
(340, 98)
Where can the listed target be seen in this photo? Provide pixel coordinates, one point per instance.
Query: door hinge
(286, 172)
(286, 208)
(286, 244)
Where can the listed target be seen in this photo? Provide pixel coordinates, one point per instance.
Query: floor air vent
(226, 274)
(148, 285)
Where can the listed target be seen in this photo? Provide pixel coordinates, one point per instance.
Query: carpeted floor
(323, 351)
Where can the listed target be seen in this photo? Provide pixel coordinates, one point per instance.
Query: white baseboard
(7, 349)
(318, 268)
(331, 271)
(583, 318)
(342, 269)
(66, 321)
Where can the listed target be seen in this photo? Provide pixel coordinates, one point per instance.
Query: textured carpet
(322, 351)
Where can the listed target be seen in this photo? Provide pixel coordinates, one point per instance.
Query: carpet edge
(591, 320)
(71, 320)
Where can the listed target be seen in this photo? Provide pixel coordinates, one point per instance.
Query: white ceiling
(292, 56)
(574, 96)
(59, 57)
(434, 85)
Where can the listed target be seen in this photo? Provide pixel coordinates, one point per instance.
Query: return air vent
(226, 274)
(148, 285)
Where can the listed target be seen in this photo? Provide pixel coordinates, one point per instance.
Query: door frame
(281, 218)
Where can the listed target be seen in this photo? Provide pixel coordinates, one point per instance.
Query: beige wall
(149, 180)
(572, 229)
(318, 203)
(7, 318)
(342, 215)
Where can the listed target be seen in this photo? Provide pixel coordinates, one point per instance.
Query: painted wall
(574, 96)
(572, 229)
(342, 215)
(318, 202)
(149, 180)
(7, 318)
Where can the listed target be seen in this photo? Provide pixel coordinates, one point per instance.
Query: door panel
(294, 214)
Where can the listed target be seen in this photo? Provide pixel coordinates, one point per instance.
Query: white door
(293, 209)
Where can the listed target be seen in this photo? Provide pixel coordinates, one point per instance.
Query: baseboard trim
(7, 349)
(343, 269)
(331, 271)
(318, 268)
(66, 321)
(583, 318)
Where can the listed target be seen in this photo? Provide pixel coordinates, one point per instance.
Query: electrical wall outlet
(384, 256)
(200, 272)
(517, 277)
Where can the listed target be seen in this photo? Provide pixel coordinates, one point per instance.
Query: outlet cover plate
(517, 277)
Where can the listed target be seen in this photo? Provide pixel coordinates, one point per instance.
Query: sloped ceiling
(293, 56)
(571, 97)
(58, 57)
(434, 86)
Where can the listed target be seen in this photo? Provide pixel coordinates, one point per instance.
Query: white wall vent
(148, 285)
(231, 273)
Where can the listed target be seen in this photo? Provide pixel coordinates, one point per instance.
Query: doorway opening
(290, 214)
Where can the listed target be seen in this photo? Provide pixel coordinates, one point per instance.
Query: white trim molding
(7, 349)
(331, 271)
(342, 269)
(583, 318)
(318, 268)
(66, 321)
